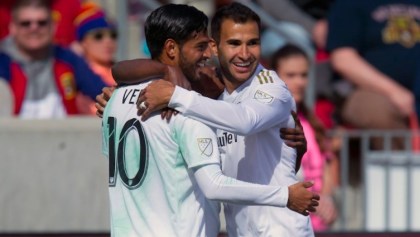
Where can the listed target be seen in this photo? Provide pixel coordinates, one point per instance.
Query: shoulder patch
(264, 77)
(205, 145)
(263, 97)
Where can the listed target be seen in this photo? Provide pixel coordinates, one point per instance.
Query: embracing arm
(216, 186)
(198, 146)
(269, 104)
(137, 70)
(250, 116)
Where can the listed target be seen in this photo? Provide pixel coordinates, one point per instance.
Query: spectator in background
(64, 13)
(319, 162)
(97, 38)
(44, 77)
(206, 6)
(5, 8)
(375, 45)
(301, 21)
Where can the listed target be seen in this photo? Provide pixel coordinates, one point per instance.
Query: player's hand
(210, 85)
(301, 200)
(175, 75)
(154, 97)
(102, 99)
(295, 137)
(167, 113)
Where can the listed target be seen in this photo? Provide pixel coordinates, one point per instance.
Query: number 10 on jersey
(119, 157)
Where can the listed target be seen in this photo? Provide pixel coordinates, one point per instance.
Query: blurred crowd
(55, 57)
(364, 58)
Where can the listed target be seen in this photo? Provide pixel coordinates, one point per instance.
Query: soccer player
(256, 103)
(162, 174)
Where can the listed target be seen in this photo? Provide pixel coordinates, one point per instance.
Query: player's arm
(250, 116)
(140, 70)
(216, 186)
(137, 70)
(198, 145)
(270, 104)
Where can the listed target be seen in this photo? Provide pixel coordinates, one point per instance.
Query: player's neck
(168, 61)
(231, 84)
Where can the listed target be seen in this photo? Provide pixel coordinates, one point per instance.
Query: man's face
(194, 54)
(32, 28)
(238, 51)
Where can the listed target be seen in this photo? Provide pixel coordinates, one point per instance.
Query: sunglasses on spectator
(39, 23)
(100, 35)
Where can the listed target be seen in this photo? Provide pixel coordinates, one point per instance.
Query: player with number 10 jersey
(162, 173)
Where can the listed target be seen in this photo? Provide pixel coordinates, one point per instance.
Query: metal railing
(387, 183)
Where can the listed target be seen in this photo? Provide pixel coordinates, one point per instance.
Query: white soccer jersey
(158, 171)
(249, 120)
(150, 185)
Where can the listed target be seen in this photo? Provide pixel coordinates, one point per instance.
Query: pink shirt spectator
(313, 166)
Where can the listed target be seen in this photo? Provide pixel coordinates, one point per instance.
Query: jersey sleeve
(197, 143)
(216, 186)
(268, 105)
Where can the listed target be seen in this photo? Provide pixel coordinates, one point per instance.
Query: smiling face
(32, 28)
(293, 70)
(238, 51)
(193, 55)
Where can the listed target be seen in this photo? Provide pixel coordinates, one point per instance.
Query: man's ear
(171, 49)
(213, 46)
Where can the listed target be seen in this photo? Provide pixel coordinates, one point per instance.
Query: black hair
(173, 21)
(285, 52)
(237, 12)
